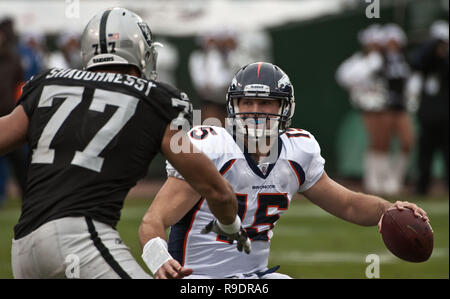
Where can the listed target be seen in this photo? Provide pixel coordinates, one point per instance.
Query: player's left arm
(14, 127)
(355, 207)
(175, 198)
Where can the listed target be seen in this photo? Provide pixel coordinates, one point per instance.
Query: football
(407, 236)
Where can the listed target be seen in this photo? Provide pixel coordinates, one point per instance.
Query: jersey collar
(254, 166)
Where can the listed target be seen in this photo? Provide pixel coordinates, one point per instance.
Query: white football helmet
(119, 36)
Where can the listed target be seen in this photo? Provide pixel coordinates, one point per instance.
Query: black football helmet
(261, 80)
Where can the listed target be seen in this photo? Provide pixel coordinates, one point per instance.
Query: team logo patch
(283, 82)
(146, 32)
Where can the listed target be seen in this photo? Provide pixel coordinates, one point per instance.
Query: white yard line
(298, 257)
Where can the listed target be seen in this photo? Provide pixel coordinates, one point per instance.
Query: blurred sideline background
(308, 39)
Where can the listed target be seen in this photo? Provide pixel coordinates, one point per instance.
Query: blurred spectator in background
(222, 53)
(211, 71)
(397, 73)
(32, 52)
(11, 77)
(167, 62)
(431, 59)
(361, 76)
(254, 45)
(68, 55)
(377, 79)
(3, 178)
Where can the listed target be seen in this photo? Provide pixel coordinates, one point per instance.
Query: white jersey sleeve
(304, 151)
(315, 168)
(214, 142)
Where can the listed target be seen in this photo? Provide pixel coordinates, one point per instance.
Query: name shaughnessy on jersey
(91, 136)
(123, 79)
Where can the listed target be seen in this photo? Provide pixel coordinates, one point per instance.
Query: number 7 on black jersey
(88, 158)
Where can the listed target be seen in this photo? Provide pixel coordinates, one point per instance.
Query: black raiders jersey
(91, 137)
(396, 73)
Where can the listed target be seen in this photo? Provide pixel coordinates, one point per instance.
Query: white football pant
(73, 247)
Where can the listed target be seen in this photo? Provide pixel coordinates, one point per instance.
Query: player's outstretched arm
(173, 201)
(355, 207)
(13, 128)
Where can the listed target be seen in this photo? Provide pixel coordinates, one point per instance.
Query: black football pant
(433, 138)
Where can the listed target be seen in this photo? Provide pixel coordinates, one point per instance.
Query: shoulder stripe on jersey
(102, 33)
(227, 166)
(298, 171)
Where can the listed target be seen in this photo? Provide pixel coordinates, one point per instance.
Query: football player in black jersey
(92, 134)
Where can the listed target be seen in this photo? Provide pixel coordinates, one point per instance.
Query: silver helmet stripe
(102, 33)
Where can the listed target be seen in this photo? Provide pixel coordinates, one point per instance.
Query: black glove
(243, 242)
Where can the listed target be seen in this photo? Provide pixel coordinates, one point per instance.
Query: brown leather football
(407, 236)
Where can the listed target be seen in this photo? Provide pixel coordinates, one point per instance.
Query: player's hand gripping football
(401, 205)
(241, 236)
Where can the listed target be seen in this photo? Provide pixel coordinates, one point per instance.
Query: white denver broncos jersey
(263, 195)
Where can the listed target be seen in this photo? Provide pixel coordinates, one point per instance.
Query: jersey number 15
(265, 216)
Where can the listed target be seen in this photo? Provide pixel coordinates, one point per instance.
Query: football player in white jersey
(266, 162)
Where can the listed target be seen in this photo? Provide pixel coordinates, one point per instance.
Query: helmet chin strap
(259, 133)
(255, 129)
(242, 123)
(257, 141)
(260, 146)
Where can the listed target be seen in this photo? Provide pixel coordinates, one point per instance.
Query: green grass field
(307, 242)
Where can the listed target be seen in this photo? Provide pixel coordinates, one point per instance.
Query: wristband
(155, 254)
(232, 228)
